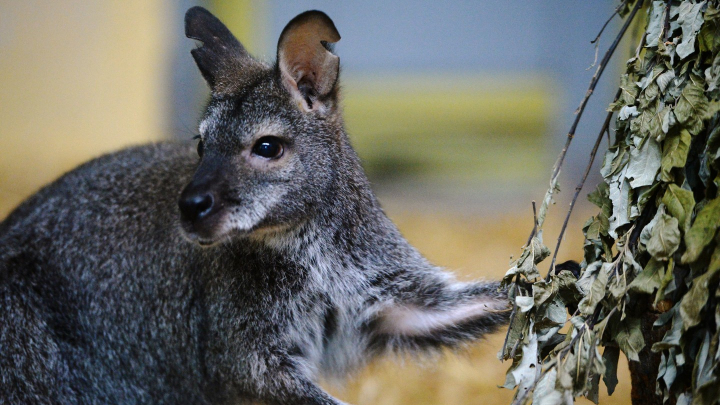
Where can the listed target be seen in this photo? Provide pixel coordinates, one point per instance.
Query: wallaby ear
(221, 58)
(308, 69)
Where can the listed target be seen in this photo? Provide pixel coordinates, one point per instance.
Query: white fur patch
(415, 321)
(211, 120)
(245, 217)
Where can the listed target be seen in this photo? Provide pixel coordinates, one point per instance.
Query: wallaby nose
(196, 206)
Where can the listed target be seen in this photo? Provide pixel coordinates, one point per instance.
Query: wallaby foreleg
(436, 311)
(284, 382)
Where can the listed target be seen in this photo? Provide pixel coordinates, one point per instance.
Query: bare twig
(593, 83)
(580, 185)
(597, 49)
(617, 9)
(535, 225)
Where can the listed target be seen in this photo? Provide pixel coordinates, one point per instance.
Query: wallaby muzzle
(200, 205)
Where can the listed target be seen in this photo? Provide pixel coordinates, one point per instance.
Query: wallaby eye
(201, 148)
(268, 147)
(200, 145)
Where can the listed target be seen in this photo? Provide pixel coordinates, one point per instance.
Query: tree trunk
(643, 373)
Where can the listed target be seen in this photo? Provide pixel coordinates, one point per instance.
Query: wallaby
(154, 276)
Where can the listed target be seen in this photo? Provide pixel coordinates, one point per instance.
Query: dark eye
(200, 145)
(268, 147)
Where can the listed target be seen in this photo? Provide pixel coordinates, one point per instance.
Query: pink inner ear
(302, 57)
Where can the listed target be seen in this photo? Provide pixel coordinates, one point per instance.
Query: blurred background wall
(458, 110)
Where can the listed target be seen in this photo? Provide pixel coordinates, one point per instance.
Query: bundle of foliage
(652, 254)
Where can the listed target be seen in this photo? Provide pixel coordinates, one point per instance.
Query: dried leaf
(649, 279)
(630, 338)
(672, 336)
(627, 112)
(593, 392)
(518, 330)
(680, 204)
(644, 164)
(666, 280)
(646, 232)
(668, 121)
(692, 106)
(545, 392)
(664, 162)
(712, 78)
(629, 92)
(655, 23)
(664, 79)
(690, 20)
(587, 276)
(665, 238)
(709, 35)
(524, 303)
(704, 379)
(596, 281)
(684, 399)
(650, 78)
(696, 298)
(555, 312)
(675, 151)
(610, 358)
(620, 196)
(649, 121)
(523, 372)
(532, 254)
(702, 230)
(592, 229)
(543, 290)
(668, 369)
(542, 210)
(645, 194)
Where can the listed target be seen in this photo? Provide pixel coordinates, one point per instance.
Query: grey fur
(108, 296)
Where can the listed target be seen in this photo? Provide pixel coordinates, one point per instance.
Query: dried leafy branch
(654, 240)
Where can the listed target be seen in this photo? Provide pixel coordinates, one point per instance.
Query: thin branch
(591, 89)
(535, 225)
(597, 49)
(617, 9)
(580, 185)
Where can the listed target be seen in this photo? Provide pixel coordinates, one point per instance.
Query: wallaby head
(271, 139)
